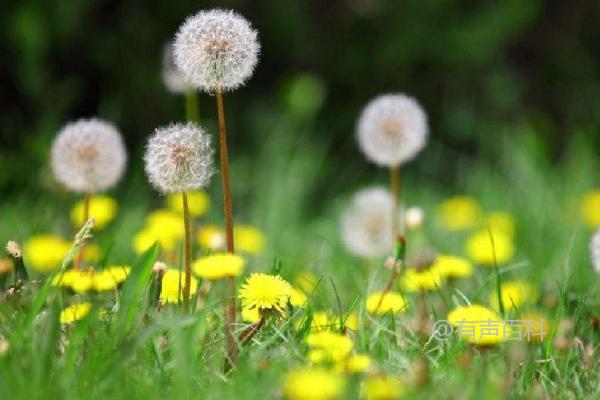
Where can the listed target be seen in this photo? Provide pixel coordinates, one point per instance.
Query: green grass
(286, 187)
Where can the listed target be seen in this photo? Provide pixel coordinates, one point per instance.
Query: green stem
(86, 216)
(395, 187)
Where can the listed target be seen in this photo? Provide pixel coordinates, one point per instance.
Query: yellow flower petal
(248, 239)
(312, 384)
(514, 295)
(45, 252)
(381, 387)
(392, 303)
(265, 292)
(500, 222)
(218, 266)
(102, 208)
(417, 281)
(173, 283)
(331, 346)
(459, 213)
(452, 267)
(74, 312)
(481, 249)
(478, 325)
(590, 208)
(198, 203)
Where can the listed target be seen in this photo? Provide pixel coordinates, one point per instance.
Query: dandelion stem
(86, 216)
(228, 210)
(395, 187)
(396, 268)
(191, 106)
(187, 249)
(248, 333)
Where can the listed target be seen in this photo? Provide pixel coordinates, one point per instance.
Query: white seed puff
(595, 251)
(179, 158)
(367, 228)
(88, 155)
(392, 129)
(216, 50)
(173, 79)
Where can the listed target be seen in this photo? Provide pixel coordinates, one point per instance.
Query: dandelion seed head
(179, 158)
(88, 155)
(172, 77)
(367, 227)
(13, 249)
(216, 50)
(414, 217)
(595, 250)
(392, 129)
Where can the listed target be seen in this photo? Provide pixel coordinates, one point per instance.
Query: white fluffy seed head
(392, 129)
(367, 227)
(179, 158)
(216, 50)
(88, 155)
(595, 251)
(414, 217)
(172, 77)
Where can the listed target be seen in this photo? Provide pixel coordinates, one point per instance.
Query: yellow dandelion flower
(326, 346)
(81, 281)
(45, 252)
(381, 387)
(514, 294)
(590, 208)
(320, 320)
(481, 249)
(250, 315)
(104, 281)
(392, 303)
(355, 364)
(418, 281)
(74, 312)
(459, 213)
(500, 222)
(248, 239)
(312, 384)
(211, 237)
(118, 272)
(478, 325)
(102, 208)
(452, 267)
(64, 279)
(173, 282)
(306, 281)
(144, 239)
(297, 298)
(166, 220)
(198, 203)
(352, 321)
(534, 327)
(218, 266)
(265, 292)
(91, 253)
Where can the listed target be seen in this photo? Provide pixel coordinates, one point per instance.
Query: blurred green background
(482, 69)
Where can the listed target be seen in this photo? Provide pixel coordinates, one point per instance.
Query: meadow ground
(435, 246)
(127, 349)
